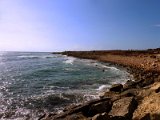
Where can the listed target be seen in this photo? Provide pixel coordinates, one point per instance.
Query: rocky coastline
(135, 100)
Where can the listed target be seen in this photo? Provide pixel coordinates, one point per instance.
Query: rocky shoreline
(135, 100)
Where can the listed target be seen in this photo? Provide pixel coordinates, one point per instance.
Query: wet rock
(123, 109)
(100, 108)
(41, 117)
(70, 107)
(116, 88)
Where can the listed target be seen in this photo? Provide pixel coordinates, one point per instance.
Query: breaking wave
(69, 60)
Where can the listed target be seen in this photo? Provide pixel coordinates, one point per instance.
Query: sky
(59, 25)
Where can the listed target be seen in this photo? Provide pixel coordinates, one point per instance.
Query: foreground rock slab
(123, 109)
(149, 107)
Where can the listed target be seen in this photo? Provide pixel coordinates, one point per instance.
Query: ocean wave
(23, 56)
(56, 88)
(100, 65)
(69, 60)
(103, 87)
(113, 68)
(36, 57)
(89, 97)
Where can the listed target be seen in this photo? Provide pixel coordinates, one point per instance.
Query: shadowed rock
(78, 116)
(85, 109)
(103, 116)
(100, 108)
(116, 88)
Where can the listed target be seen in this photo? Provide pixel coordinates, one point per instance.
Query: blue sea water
(32, 84)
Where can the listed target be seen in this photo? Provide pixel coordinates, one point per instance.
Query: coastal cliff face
(135, 100)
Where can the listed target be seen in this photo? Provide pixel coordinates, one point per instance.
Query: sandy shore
(137, 100)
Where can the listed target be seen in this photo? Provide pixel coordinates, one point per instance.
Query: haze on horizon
(58, 25)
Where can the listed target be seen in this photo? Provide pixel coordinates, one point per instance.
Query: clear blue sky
(57, 25)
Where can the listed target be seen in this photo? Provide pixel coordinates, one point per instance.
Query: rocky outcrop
(135, 100)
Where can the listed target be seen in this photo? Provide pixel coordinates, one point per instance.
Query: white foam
(49, 56)
(70, 60)
(88, 97)
(29, 56)
(32, 56)
(100, 65)
(103, 87)
(113, 68)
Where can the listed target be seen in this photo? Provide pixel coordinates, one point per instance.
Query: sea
(34, 83)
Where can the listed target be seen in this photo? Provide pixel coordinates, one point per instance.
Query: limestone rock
(123, 109)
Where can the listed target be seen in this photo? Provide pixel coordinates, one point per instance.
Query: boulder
(116, 88)
(123, 109)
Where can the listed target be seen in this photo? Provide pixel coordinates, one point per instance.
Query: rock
(84, 109)
(157, 90)
(123, 109)
(155, 116)
(41, 117)
(100, 108)
(116, 88)
(70, 107)
(147, 82)
(130, 84)
(144, 81)
(148, 116)
(113, 95)
(78, 116)
(130, 93)
(102, 116)
(110, 94)
(145, 117)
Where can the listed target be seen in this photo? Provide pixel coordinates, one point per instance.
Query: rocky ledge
(135, 100)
